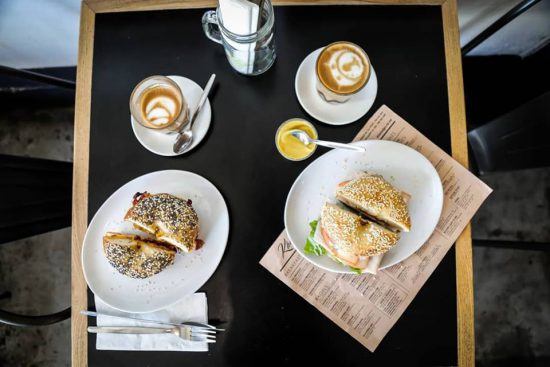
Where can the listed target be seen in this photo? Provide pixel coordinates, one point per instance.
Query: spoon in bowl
(185, 136)
(306, 139)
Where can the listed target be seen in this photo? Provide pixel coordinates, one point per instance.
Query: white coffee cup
(342, 69)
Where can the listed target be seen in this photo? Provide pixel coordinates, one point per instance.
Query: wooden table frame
(464, 274)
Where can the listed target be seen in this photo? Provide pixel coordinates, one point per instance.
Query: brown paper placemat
(367, 306)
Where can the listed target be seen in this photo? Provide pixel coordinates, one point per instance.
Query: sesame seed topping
(352, 234)
(376, 197)
(136, 257)
(168, 217)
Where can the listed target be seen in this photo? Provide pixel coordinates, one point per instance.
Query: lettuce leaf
(312, 247)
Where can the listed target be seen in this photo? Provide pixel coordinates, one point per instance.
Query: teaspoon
(306, 139)
(185, 136)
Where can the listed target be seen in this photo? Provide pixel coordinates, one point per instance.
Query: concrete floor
(512, 292)
(24, 263)
(512, 307)
(518, 209)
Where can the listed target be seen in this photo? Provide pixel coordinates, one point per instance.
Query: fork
(183, 332)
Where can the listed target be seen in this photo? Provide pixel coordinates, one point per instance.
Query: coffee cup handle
(211, 27)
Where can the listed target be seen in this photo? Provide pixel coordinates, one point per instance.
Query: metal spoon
(306, 139)
(185, 136)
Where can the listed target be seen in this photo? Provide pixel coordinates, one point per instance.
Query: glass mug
(249, 54)
(157, 103)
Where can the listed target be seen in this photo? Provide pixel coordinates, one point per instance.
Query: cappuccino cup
(157, 103)
(342, 69)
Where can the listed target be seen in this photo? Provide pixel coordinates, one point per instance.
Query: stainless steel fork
(183, 332)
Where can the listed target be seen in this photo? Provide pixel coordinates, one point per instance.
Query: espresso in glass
(342, 70)
(157, 103)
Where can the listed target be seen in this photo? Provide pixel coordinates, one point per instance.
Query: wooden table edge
(109, 6)
(457, 116)
(79, 289)
(459, 146)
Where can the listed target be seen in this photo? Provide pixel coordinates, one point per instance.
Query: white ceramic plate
(161, 143)
(400, 165)
(189, 271)
(331, 113)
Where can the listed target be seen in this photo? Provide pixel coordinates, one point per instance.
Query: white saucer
(331, 113)
(161, 143)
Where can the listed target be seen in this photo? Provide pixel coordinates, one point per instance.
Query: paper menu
(367, 306)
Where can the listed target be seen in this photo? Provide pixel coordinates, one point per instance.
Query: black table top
(267, 323)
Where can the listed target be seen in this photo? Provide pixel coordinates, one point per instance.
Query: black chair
(36, 199)
(516, 140)
(14, 319)
(37, 88)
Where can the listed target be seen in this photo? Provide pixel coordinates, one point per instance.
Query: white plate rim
(363, 143)
(102, 207)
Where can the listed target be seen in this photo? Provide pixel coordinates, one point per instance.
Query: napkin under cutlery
(191, 308)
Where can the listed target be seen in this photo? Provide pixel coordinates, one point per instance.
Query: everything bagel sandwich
(169, 218)
(137, 257)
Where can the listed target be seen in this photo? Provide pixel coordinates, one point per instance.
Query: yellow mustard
(289, 146)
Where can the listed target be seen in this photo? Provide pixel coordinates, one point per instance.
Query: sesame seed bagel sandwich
(372, 195)
(169, 218)
(363, 226)
(351, 239)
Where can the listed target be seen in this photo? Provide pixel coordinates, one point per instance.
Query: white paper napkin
(241, 17)
(192, 308)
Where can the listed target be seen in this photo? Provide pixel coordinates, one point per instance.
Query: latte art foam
(343, 67)
(160, 106)
(346, 67)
